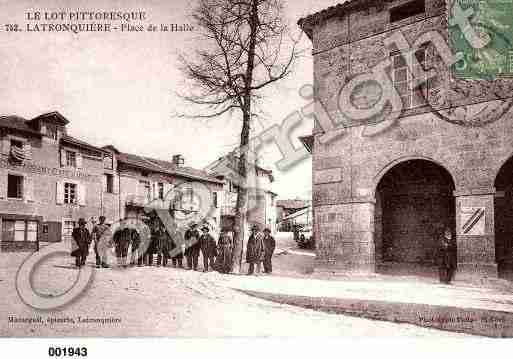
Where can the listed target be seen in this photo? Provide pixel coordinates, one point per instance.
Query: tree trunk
(242, 191)
(242, 200)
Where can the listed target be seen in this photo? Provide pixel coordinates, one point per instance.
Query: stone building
(47, 181)
(386, 184)
(148, 183)
(261, 206)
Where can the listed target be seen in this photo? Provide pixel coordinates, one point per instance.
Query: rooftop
(292, 203)
(216, 163)
(167, 167)
(80, 143)
(308, 22)
(17, 123)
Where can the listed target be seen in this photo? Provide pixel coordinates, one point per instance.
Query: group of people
(215, 255)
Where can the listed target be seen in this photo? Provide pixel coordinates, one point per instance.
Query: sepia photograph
(256, 169)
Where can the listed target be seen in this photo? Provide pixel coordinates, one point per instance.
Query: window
(17, 144)
(14, 186)
(108, 161)
(51, 131)
(19, 230)
(214, 199)
(7, 230)
(31, 231)
(232, 187)
(407, 10)
(404, 80)
(109, 183)
(161, 190)
(71, 159)
(145, 190)
(70, 193)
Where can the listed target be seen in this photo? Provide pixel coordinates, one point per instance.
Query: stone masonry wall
(465, 126)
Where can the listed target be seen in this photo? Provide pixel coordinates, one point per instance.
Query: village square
(388, 213)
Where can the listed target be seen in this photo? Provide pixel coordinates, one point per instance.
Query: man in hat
(177, 249)
(255, 250)
(98, 231)
(135, 243)
(82, 238)
(164, 246)
(122, 241)
(208, 249)
(192, 246)
(270, 245)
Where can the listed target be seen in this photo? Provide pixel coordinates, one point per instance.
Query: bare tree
(245, 46)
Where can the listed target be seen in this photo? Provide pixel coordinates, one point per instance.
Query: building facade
(48, 180)
(386, 186)
(261, 205)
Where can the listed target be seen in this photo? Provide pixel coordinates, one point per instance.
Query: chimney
(178, 160)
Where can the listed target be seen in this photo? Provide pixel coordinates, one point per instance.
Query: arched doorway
(414, 202)
(503, 211)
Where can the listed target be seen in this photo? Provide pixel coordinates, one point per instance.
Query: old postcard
(256, 168)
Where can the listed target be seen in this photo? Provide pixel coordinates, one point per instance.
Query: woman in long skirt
(224, 250)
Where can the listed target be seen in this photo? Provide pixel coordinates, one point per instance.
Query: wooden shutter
(82, 194)
(167, 188)
(104, 183)
(79, 159)
(63, 157)
(59, 197)
(115, 184)
(28, 188)
(3, 185)
(4, 144)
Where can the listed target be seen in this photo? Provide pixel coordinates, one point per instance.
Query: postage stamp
(493, 23)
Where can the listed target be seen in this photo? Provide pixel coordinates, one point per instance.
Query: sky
(120, 88)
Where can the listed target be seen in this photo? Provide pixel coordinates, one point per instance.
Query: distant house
(285, 208)
(146, 182)
(303, 217)
(261, 206)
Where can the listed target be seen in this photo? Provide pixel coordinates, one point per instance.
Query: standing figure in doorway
(445, 257)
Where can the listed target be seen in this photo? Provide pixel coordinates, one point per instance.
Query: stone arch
(500, 165)
(503, 218)
(414, 202)
(384, 170)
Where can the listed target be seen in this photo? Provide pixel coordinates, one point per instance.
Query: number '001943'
(59, 352)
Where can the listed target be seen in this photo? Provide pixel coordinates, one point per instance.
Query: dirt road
(151, 301)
